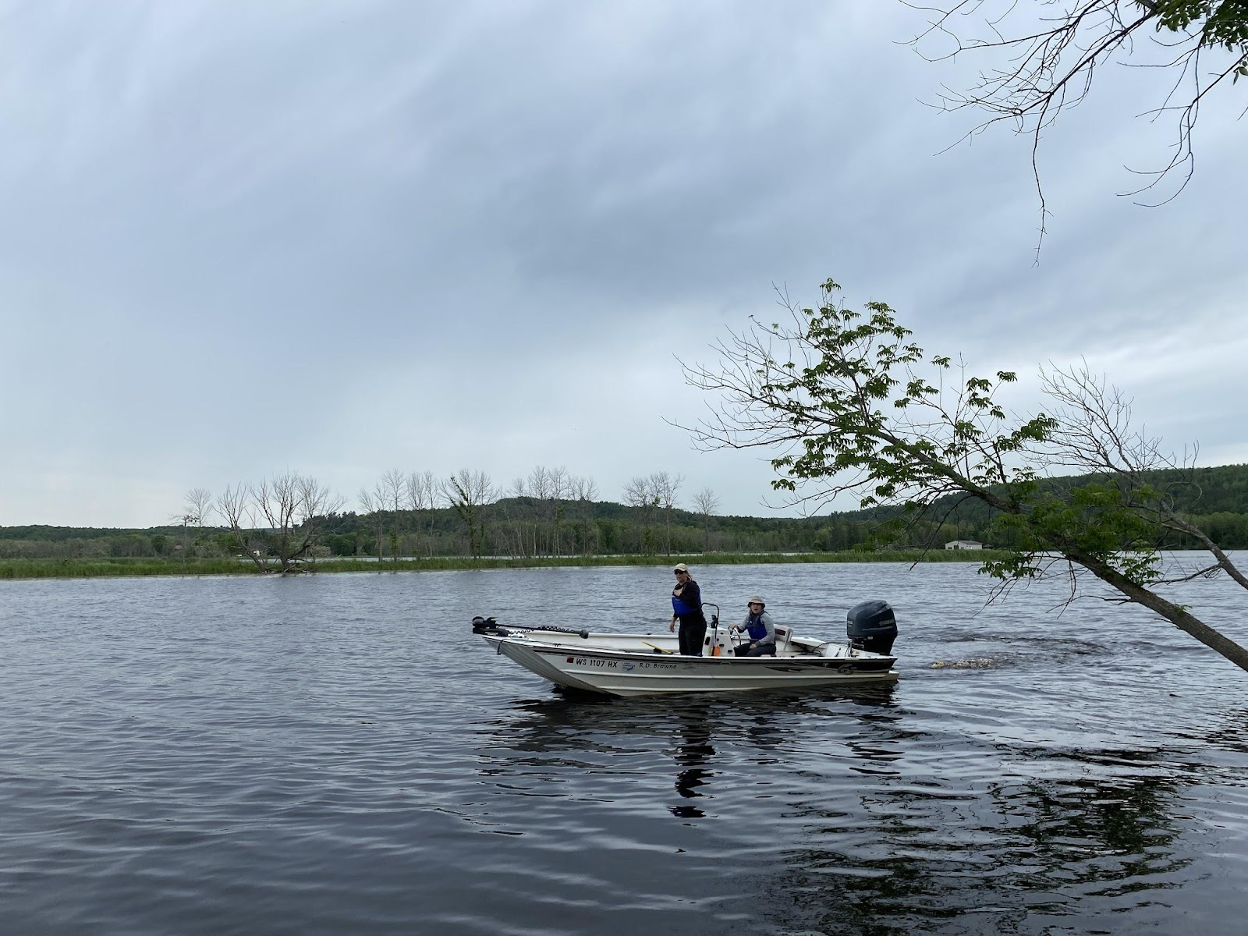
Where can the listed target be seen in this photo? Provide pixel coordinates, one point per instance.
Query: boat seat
(783, 638)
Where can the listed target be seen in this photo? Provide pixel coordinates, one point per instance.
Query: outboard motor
(871, 626)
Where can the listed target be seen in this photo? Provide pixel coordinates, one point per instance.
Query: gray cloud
(239, 238)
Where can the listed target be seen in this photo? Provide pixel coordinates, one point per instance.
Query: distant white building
(964, 544)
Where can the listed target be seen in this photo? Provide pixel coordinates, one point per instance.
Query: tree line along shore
(544, 531)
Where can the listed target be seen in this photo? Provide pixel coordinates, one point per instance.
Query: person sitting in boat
(687, 609)
(760, 629)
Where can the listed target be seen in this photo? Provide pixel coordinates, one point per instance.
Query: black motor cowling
(871, 626)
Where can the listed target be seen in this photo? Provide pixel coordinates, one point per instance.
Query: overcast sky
(240, 238)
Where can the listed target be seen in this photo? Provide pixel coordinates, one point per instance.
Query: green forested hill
(1208, 490)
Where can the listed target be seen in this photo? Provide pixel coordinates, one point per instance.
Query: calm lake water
(338, 754)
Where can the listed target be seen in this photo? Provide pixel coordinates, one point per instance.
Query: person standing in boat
(687, 610)
(760, 628)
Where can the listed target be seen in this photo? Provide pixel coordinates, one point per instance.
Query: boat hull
(637, 665)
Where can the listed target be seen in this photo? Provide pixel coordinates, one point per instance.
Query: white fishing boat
(649, 664)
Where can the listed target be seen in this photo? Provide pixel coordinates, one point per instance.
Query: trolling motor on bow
(871, 626)
(490, 627)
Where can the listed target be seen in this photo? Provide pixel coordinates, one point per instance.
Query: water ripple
(338, 754)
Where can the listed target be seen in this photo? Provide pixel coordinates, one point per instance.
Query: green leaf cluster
(1221, 23)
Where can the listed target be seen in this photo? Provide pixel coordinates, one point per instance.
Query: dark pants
(764, 650)
(690, 635)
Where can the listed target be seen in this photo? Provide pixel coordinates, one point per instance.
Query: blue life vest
(754, 623)
(680, 609)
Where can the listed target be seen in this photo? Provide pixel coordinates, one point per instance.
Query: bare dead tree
(237, 508)
(423, 496)
(294, 506)
(283, 515)
(585, 490)
(539, 488)
(1049, 60)
(705, 502)
(638, 495)
(560, 491)
(195, 506)
(198, 503)
(539, 483)
(521, 527)
(637, 492)
(394, 486)
(664, 488)
(373, 504)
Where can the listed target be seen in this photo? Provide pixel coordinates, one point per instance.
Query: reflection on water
(569, 728)
(1023, 856)
(875, 821)
(1230, 735)
(692, 756)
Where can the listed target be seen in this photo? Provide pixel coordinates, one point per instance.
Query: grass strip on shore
(112, 567)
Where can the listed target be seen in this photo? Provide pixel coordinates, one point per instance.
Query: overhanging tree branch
(1050, 62)
(851, 405)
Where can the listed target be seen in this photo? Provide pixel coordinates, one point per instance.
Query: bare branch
(1050, 62)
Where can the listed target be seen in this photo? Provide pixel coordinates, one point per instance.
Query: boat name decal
(592, 661)
(628, 666)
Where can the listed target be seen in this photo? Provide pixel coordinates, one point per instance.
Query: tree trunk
(1176, 615)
